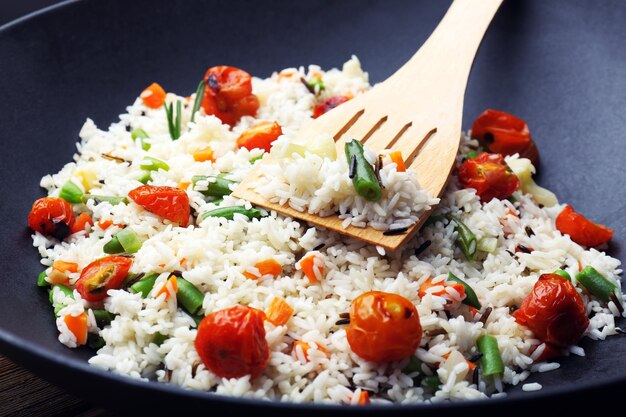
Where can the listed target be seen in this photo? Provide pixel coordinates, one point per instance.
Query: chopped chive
(71, 193)
(198, 100)
(147, 176)
(471, 299)
(466, 239)
(174, 119)
(129, 240)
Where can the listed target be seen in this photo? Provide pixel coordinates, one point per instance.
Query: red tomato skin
(111, 269)
(231, 343)
(489, 175)
(170, 203)
(554, 311)
(328, 104)
(228, 95)
(581, 230)
(52, 216)
(505, 134)
(383, 327)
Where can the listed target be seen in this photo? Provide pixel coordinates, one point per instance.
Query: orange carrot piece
(164, 289)
(153, 96)
(63, 266)
(78, 326)
(183, 185)
(279, 312)
(364, 398)
(104, 224)
(307, 264)
(204, 154)
(81, 222)
(396, 156)
(470, 364)
(580, 266)
(305, 348)
(266, 267)
(423, 290)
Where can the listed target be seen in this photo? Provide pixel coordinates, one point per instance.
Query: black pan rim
(12, 346)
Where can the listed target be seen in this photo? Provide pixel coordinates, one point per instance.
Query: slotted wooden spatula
(418, 110)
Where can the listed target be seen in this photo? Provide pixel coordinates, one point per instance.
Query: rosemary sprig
(198, 101)
(174, 119)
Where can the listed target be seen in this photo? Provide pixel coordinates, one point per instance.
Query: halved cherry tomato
(229, 94)
(170, 203)
(102, 275)
(554, 311)
(489, 175)
(231, 342)
(260, 136)
(51, 216)
(328, 104)
(581, 230)
(505, 134)
(153, 96)
(383, 327)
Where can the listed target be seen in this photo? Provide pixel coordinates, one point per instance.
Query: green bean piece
(105, 199)
(217, 201)
(414, 365)
(196, 318)
(316, 84)
(145, 177)
(491, 360)
(256, 158)
(596, 283)
(471, 155)
(471, 299)
(431, 384)
(364, 180)
(152, 164)
(129, 240)
(229, 212)
(41, 279)
(95, 341)
(103, 317)
(71, 193)
(188, 296)
(159, 338)
(198, 100)
(434, 219)
(216, 186)
(466, 239)
(113, 246)
(59, 306)
(563, 273)
(144, 285)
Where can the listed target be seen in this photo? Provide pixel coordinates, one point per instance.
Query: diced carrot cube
(81, 222)
(266, 267)
(153, 96)
(105, 223)
(279, 312)
(309, 266)
(305, 348)
(170, 286)
(396, 156)
(63, 266)
(204, 154)
(78, 326)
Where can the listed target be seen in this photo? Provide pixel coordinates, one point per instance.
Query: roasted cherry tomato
(229, 94)
(505, 134)
(328, 104)
(102, 275)
(260, 136)
(582, 231)
(554, 311)
(231, 342)
(383, 327)
(489, 175)
(51, 216)
(170, 203)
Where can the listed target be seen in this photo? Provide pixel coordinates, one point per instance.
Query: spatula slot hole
(374, 129)
(418, 148)
(398, 135)
(348, 125)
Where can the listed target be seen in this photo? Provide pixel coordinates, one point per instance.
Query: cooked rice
(216, 252)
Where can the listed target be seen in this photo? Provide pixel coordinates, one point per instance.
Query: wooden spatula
(418, 110)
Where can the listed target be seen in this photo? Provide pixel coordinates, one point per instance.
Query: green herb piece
(229, 212)
(466, 239)
(198, 100)
(363, 176)
(174, 119)
(71, 193)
